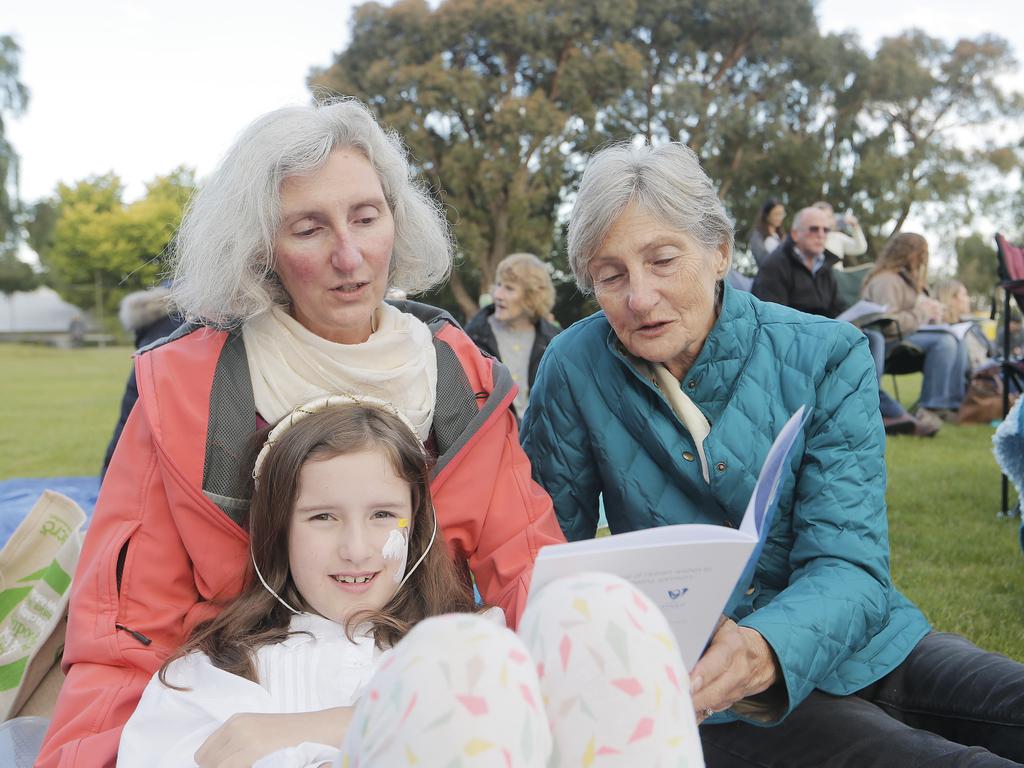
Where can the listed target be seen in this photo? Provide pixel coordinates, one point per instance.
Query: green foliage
(15, 275)
(93, 244)
(920, 95)
(493, 97)
(976, 264)
(13, 102)
(502, 100)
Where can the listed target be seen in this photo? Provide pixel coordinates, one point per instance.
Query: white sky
(139, 87)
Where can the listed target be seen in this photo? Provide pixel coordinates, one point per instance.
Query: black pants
(948, 704)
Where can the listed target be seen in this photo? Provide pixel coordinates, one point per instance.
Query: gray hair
(798, 220)
(223, 261)
(665, 182)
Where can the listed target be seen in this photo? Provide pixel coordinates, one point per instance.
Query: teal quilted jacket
(821, 594)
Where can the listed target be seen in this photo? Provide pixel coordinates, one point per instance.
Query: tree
(925, 102)
(13, 101)
(493, 98)
(976, 264)
(501, 100)
(764, 99)
(15, 275)
(100, 248)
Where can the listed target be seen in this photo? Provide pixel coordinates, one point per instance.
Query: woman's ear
(722, 260)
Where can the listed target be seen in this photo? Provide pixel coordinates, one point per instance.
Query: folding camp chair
(900, 358)
(1011, 280)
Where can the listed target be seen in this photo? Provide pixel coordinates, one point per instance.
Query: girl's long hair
(944, 292)
(255, 618)
(906, 254)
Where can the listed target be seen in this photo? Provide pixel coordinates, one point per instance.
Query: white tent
(38, 311)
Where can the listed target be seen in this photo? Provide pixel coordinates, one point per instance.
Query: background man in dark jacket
(799, 274)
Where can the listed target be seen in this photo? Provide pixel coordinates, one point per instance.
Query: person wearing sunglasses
(799, 275)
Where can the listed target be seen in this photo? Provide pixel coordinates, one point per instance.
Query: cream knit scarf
(289, 365)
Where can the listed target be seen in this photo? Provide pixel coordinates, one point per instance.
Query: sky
(140, 87)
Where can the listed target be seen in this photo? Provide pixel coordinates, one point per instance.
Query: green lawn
(59, 408)
(950, 553)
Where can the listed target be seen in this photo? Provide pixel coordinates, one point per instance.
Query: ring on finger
(708, 712)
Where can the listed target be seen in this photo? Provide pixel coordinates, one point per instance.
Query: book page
(861, 309)
(689, 571)
(687, 577)
(957, 329)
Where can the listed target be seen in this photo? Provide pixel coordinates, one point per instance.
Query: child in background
(956, 308)
(330, 654)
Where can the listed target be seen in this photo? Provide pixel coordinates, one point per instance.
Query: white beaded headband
(317, 406)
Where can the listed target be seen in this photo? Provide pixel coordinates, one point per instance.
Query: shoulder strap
(230, 431)
(456, 404)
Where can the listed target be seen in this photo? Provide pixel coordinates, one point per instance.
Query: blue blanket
(18, 496)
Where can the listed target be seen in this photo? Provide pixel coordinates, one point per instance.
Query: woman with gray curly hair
(666, 403)
(281, 268)
(515, 328)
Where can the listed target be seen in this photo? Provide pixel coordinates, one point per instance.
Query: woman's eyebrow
(378, 202)
(660, 242)
(311, 213)
(308, 213)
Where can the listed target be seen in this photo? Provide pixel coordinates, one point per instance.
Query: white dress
(306, 672)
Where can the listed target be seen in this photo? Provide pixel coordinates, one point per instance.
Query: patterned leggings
(594, 678)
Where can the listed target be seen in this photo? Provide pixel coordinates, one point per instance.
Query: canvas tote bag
(36, 566)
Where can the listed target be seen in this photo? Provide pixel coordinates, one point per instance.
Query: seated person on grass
(799, 275)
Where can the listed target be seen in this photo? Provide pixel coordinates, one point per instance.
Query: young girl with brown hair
(347, 569)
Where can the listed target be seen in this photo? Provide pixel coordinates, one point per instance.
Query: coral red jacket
(166, 539)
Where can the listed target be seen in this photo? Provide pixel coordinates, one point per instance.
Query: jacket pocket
(115, 556)
(117, 560)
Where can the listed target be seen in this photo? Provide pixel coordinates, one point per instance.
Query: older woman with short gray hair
(281, 266)
(666, 403)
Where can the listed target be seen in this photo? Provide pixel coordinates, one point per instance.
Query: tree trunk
(734, 166)
(465, 301)
(499, 245)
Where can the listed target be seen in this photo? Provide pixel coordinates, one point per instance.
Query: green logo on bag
(33, 615)
(56, 527)
(52, 575)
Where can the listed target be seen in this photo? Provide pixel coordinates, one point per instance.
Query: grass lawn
(950, 553)
(59, 408)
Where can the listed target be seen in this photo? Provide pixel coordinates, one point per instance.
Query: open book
(689, 571)
(957, 329)
(864, 312)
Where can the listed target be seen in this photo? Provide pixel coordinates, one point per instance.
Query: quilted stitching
(823, 597)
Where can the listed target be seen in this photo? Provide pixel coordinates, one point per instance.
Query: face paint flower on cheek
(397, 548)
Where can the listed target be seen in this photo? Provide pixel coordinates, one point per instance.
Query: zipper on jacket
(137, 635)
